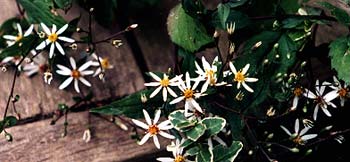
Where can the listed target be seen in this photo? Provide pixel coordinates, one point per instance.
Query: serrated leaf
(186, 31)
(338, 13)
(224, 154)
(130, 106)
(39, 11)
(340, 57)
(20, 48)
(214, 125)
(196, 132)
(180, 122)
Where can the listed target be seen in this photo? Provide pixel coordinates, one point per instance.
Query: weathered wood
(41, 142)
(38, 98)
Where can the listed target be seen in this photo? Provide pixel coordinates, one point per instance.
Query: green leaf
(224, 154)
(188, 63)
(196, 132)
(9, 121)
(130, 106)
(40, 11)
(204, 155)
(194, 8)
(180, 122)
(20, 48)
(214, 125)
(236, 3)
(338, 13)
(1, 126)
(63, 3)
(223, 13)
(237, 125)
(240, 19)
(193, 151)
(340, 57)
(287, 50)
(290, 6)
(186, 31)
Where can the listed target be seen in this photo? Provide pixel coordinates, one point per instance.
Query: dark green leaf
(224, 154)
(186, 31)
(236, 3)
(40, 11)
(237, 125)
(340, 57)
(204, 155)
(338, 13)
(9, 121)
(223, 13)
(1, 126)
(193, 151)
(180, 122)
(290, 6)
(188, 64)
(214, 125)
(241, 20)
(63, 3)
(196, 132)
(194, 8)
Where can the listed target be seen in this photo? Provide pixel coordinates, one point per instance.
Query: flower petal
(84, 81)
(308, 137)
(72, 63)
(165, 125)
(245, 69)
(155, 92)
(147, 117)
(232, 67)
(286, 130)
(154, 76)
(66, 39)
(29, 30)
(59, 47)
(331, 96)
(325, 110)
(247, 87)
(19, 28)
(52, 49)
(152, 84)
(171, 92)
(63, 28)
(315, 112)
(45, 28)
(165, 94)
(66, 83)
(188, 80)
(10, 37)
(251, 79)
(176, 100)
(43, 44)
(76, 86)
(144, 139)
(54, 28)
(296, 126)
(303, 131)
(84, 66)
(156, 116)
(166, 135)
(156, 142)
(165, 159)
(140, 124)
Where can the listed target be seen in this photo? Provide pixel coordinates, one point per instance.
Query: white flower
(153, 129)
(297, 91)
(163, 84)
(177, 151)
(299, 137)
(102, 66)
(74, 74)
(53, 37)
(39, 64)
(189, 94)
(241, 78)
(342, 91)
(321, 101)
(209, 74)
(13, 39)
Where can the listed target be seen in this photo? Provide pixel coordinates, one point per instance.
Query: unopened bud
(78, 30)
(257, 45)
(295, 150)
(270, 136)
(48, 77)
(117, 43)
(120, 124)
(143, 98)
(91, 9)
(250, 152)
(74, 46)
(8, 137)
(303, 64)
(216, 34)
(131, 27)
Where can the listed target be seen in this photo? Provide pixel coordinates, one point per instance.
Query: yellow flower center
(298, 91)
(105, 63)
(209, 74)
(18, 38)
(188, 93)
(53, 37)
(164, 82)
(153, 129)
(239, 77)
(298, 140)
(75, 74)
(179, 158)
(343, 92)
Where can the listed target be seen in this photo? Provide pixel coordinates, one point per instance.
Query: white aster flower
(241, 78)
(321, 101)
(153, 129)
(208, 73)
(177, 151)
(74, 74)
(39, 64)
(299, 137)
(189, 95)
(297, 91)
(53, 37)
(13, 39)
(164, 84)
(342, 91)
(103, 65)
(11, 60)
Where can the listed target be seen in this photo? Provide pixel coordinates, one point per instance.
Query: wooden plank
(39, 141)
(38, 98)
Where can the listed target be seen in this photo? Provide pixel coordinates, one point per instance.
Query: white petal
(165, 159)
(232, 67)
(315, 112)
(156, 142)
(66, 83)
(309, 136)
(156, 116)
(29, 30)
(152, 84)
(286, 130)
(148, 119)
(165, 125)
(144, 139)
(155, 92)
(331, 96)
(60, 31)
(60, 49)
(188, 80)
(251, 79)
(140, 124)
(64, 73)
(76, 86)
(322, 88)
(45, 28)
(154, 76)
(166, 135)
(72, 63)
(19, 28)
(84, 81)
(205, 63)
(42, 45)
(87, 72)
(303, 131)
(247, 87)
(10, 37)
(52, 48)
(171, 92)
(54, 28)
(176, 100)
(84, 66)
(63, 68)
(309, 94)
(196, 105)
(66, 39)
(238, 85)
(199, 69)
(165, 93)
(295, 102)
(245, 69)
(296, 126)
(205, 86)
(325, 110)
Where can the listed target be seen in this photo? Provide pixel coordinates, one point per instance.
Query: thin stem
(20, 10)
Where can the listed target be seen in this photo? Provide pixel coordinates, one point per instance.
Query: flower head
(52, 38)
(13, 39)
(189, 94)
(102, 63)
(153, 129)
(177, 151)
(39, 64)
(163, 83)
(342, 90)
(74, 74)
(241, 77)
(297, 92)
(320, 100)
(299, 137)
